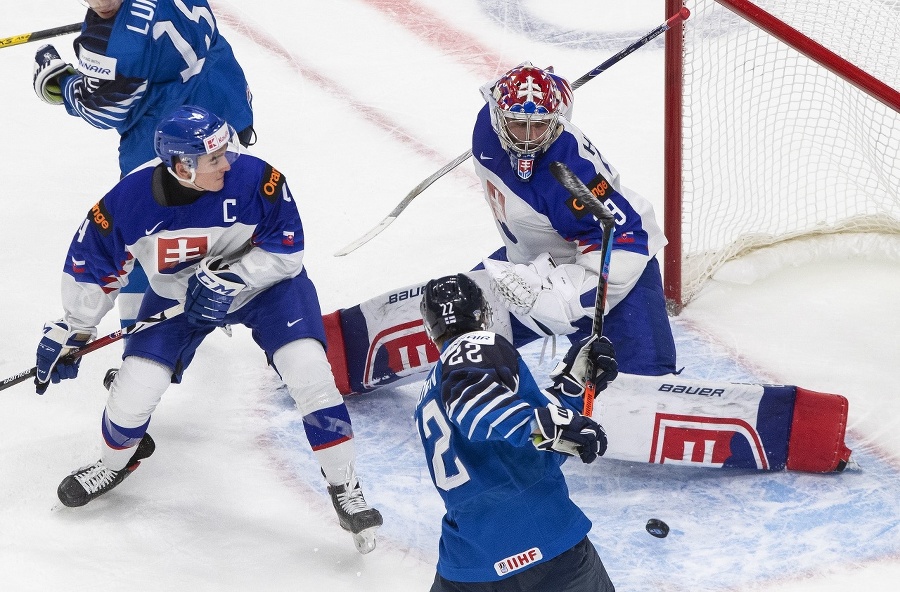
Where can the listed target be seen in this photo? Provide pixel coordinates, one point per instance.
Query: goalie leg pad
(383, 339)
(817, 433)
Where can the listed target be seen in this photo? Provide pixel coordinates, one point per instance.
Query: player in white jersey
(547, 272)
(223, 236)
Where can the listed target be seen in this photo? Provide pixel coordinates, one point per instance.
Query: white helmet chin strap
(187, 181)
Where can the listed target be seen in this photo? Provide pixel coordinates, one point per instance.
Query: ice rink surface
(357, 101)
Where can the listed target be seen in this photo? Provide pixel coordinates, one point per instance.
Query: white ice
(356, 102)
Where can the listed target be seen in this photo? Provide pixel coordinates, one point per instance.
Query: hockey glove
(570, 374)
(545, 296)
(563, 430)
(210, 293)
(59, 339)
(49, 68)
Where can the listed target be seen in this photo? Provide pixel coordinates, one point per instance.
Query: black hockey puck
(657, 528)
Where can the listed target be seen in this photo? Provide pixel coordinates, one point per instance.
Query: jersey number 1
(194, 65)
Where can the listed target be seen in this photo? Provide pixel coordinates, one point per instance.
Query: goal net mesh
(776, 146)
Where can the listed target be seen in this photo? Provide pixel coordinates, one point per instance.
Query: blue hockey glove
(58, 340)
(210, 293)
(49, 68)
(565, 431)
(570, 374)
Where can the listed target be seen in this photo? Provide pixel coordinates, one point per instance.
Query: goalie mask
(454, 305)
(526, 104)
(190, 132)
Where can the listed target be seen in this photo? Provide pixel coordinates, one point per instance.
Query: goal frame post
(673, 116)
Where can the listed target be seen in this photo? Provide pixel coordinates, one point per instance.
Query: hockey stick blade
(37, 35)
(170, 312)
(681, 15)
(579, 190)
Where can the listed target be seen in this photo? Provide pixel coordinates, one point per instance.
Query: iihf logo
(518, 561)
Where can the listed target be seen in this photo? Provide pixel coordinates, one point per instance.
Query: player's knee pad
(136, 391)
(305, 370)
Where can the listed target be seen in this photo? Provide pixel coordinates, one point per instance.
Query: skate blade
(365, 540)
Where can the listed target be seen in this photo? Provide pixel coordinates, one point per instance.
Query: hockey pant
(159, 355)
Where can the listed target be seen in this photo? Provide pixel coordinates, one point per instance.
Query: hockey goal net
(782, 121)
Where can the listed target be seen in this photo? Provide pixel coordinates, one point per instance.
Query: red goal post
(782, 122)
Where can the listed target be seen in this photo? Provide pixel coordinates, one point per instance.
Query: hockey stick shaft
(38, 35)
(101, 342)
(579, 190)
(683, 14)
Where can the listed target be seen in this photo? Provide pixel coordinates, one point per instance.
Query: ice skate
(354, 514)
(96, 479)
(109, 377)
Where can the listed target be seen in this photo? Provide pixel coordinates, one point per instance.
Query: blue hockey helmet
(190, 132)
(453, 305)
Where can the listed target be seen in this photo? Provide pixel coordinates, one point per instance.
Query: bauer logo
(706, 441)
(398, 351)
(518, 561)
(406, 294)
(174, 254)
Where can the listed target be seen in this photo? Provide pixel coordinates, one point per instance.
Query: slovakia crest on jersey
(176, 253)
(524, 168)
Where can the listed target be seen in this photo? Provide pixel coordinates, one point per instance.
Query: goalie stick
(681, 15)
(577, 189)
(38, 35)
(170, 312)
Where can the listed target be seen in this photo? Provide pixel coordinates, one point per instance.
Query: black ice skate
(109, 377)
(94, 480)
(354, 514)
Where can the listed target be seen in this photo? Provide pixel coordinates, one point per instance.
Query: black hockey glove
(210, 293)
(569, 375)
(48, 69)
(565, 431)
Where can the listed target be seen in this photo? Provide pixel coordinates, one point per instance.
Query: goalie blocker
(665, 419)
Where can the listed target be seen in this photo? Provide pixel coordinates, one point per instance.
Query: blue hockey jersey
(507, 504)
(151, 57)
(252, 222)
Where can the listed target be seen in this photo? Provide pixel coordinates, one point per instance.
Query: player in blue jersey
(494, 443)
(546, 274)
(223, 236)
(138, 60)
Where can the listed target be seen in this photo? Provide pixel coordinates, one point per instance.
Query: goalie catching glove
(563, 430)
(59, 339)
(545, 296)
(570, 374)
(210, 293)
(49, 68)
